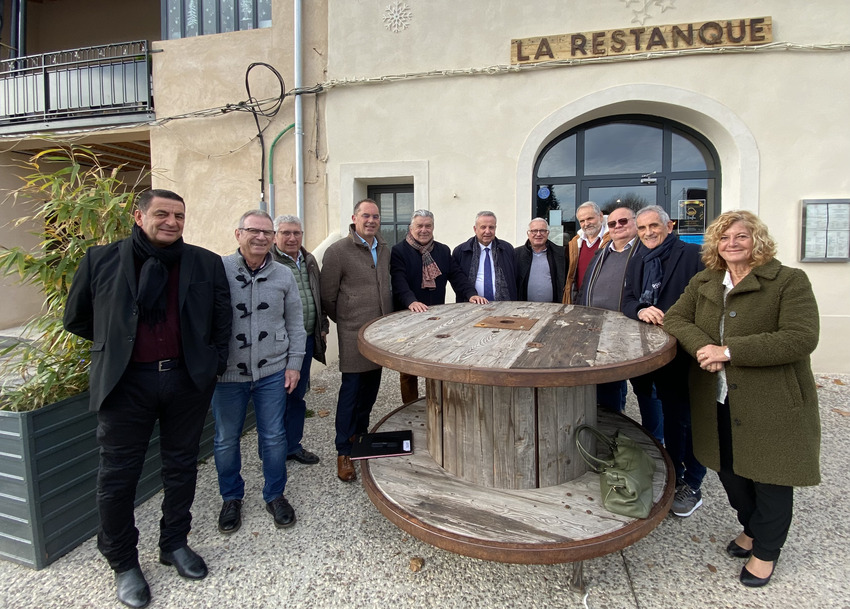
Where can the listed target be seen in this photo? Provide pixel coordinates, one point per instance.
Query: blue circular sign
(543, 192)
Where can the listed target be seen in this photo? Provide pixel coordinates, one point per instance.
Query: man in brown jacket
(591, 237)
(355, 286)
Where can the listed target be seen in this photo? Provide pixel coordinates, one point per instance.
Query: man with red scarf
(420, 268)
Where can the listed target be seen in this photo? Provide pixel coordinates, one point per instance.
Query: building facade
(531, 108)
(527, 109)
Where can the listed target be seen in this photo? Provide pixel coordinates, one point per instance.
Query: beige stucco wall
(214, 162)
(775, 117)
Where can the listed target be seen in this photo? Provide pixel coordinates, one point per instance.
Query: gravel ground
(342, 553)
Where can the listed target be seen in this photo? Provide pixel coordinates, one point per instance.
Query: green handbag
(625, 476)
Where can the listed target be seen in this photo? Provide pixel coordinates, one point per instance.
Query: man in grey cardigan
(356, 289)
(266, 353)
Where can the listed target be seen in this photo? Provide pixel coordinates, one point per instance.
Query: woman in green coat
(751, 323)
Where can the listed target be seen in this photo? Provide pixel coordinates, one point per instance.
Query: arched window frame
(663, 178)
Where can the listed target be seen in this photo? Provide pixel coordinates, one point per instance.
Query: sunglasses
(621, 222)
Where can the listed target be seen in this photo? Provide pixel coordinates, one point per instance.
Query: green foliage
(82, 204)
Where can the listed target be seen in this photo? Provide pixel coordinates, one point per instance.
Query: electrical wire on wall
(270, 106)
(267, 109)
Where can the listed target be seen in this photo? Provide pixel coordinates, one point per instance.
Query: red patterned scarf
(430, 270)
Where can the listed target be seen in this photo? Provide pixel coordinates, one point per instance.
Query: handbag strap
(596, 464)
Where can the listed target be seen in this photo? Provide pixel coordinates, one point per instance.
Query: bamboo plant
(78, 204)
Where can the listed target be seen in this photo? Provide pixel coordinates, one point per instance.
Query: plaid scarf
(430, 270)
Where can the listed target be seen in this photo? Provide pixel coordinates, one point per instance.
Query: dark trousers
(125, 422)
(409, 387)
(671, 385)
(357, 395)
(612, 396)
(764, 510)
(296, 405)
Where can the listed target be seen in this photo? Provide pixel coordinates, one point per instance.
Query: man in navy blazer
(489, 263)
(420, 268)
(157, 311)
(657, 275)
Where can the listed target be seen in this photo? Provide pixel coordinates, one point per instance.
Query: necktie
(488, 276)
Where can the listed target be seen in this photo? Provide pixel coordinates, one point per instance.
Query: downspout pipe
(272, 211)
(299, 116)
(18, 28)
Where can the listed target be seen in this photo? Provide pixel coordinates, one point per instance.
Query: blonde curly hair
(764, 247)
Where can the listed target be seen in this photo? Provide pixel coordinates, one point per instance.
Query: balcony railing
(103, 81)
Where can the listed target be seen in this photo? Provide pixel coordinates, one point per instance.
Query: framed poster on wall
(826, 230)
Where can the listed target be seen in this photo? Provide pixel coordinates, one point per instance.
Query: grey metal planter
(48, 472)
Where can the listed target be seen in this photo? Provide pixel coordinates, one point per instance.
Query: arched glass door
(628, 160)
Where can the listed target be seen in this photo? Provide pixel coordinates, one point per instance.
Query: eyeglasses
(537, 231)
(290, 233)
(256, 232)
(620, 221)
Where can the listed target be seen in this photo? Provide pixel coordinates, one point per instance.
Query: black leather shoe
(187, 563)
(132, 588)
(230, 517)
(284, 515)
(751, 581)
(736, 551)
(303, 456)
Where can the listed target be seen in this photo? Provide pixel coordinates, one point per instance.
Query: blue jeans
(229, 405)
(651, 414)
(357, 395)
(296, 406)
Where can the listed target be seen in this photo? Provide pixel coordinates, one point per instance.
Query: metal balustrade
(108, 80)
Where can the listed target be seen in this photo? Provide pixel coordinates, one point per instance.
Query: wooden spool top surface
(516, 344)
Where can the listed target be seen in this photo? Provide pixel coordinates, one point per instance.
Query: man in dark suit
(657, 275)
(489, 263)
(420, 268)
(157, 311)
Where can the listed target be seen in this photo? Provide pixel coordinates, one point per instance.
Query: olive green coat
(771, 327)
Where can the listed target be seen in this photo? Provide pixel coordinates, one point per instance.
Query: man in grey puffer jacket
(266, 353)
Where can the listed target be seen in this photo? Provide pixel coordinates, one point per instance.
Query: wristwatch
(726, 353)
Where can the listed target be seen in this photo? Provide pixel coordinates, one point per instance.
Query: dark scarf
(153, 277)
(430, 270)
(653, 270)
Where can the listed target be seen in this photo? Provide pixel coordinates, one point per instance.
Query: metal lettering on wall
(707, 34)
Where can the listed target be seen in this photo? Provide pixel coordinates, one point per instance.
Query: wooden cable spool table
(495, 473)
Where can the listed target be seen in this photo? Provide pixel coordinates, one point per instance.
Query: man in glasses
(603, 288)
(591, 236)
(289, 251)
(541, 265)
(264, 365)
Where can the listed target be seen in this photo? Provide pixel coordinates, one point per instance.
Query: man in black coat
(541, 265)
(657, 275)
(157, 311)
(489, 263)
(420, 268)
